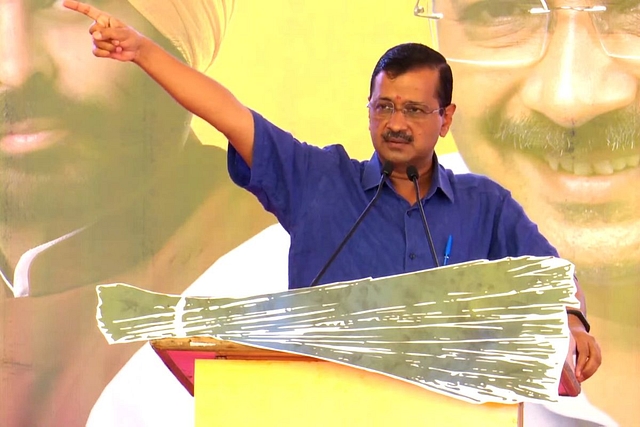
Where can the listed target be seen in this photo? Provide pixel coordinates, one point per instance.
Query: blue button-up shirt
(317, 194)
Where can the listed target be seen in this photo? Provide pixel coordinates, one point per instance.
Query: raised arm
(195, 91)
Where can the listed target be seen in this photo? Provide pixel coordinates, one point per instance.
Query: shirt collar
(372, 173)
(20, 284)
(440, 179)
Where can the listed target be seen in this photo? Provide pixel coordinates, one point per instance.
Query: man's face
(409, 137)
(560, 130)
(78, 134)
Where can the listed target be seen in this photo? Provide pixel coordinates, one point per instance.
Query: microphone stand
(412, 174)
(387, 169)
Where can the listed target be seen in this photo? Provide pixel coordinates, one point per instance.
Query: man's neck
(405, 186)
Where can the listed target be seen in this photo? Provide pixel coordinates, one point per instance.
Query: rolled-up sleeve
(280, 176)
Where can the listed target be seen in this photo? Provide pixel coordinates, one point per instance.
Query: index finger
(86, 9)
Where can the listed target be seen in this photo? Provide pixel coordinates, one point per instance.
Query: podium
(458, 345)
(240, 385)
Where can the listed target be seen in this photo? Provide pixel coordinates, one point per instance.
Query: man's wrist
(577, 313)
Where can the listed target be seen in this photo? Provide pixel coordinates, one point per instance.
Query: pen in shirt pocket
(447, 250)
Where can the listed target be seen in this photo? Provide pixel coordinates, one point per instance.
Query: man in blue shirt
(317, 194)
(321, 194)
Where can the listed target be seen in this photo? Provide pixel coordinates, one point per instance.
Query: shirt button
(409, 213)
(412, 256)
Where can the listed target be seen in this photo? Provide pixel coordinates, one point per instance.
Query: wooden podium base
(246, 386)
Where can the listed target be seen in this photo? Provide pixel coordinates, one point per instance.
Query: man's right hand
(111, 37)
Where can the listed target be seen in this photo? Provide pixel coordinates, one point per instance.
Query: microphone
(412, 174)
(387, 169)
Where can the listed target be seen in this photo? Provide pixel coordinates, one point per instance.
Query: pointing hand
(111, 37)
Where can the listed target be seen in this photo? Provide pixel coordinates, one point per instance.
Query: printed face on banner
(548, 106)
(78, 135)
(92, 164)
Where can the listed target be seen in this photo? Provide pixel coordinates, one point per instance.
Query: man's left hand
(587, 349)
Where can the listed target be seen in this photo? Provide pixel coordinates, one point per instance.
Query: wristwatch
(581, 317)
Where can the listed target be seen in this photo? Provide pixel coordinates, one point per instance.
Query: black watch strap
(580, 315)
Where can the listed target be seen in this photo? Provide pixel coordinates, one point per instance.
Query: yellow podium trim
(317, 393)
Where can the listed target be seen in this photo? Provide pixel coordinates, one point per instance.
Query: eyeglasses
(517, 32)
(383, 110)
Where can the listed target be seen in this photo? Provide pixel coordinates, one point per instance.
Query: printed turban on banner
(195, 27)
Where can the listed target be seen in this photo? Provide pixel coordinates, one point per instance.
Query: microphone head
(412, 173)
(387, 168)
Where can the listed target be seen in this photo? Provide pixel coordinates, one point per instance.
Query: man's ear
(447, 119)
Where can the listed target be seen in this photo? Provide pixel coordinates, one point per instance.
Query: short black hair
(407, 57)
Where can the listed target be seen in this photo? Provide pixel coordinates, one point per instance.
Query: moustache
(38, 98)
(614, 131)
(390, 134)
